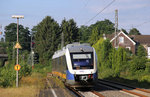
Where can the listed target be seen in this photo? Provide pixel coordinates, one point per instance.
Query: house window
(121, 39)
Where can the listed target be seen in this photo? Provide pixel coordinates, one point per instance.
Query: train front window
(82, 60)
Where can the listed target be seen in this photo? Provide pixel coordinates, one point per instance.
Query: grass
(58, 82)
(26, 91)
(28, 87)
(141, 80)
(42, 69)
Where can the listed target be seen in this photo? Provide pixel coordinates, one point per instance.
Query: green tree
(105, 52)
(84, 33)
(98, 29)
(134, 31)
(11, 37)
(120, 61)
(97, 47)
(70, 31)
(105, 26)
(139, 62)
(141, 52)
(94, 36)
(47, 38)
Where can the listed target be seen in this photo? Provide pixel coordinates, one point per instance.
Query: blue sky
(131, 13)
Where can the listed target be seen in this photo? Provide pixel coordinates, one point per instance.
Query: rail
(119, 87)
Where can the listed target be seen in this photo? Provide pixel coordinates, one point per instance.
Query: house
(130, 42)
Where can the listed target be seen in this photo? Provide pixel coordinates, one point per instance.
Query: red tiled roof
(142, 39)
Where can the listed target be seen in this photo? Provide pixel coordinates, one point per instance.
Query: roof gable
(121, 32)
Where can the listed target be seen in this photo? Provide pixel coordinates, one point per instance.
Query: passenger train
(76, 64)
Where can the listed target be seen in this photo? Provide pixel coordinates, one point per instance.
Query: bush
(145, 78)
(25, 70)
(7, 77)
(138, 64)
(8, 74)
(43, 69)
(105, 73)
(147, 70)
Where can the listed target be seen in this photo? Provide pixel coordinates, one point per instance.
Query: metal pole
(17, 52)
(17, 59)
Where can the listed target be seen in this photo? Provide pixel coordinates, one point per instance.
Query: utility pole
(17, 17)
(116, 27)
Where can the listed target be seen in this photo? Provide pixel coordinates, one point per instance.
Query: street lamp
(17, 17)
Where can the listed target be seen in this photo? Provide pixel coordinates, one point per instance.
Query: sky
(131, 13)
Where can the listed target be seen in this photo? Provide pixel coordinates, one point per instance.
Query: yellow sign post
(17, 67)
(18, 45)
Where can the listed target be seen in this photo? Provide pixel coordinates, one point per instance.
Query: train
(76, 64)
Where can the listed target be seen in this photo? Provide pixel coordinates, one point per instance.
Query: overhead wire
(100, 12)
(142, 23)
(135, 25)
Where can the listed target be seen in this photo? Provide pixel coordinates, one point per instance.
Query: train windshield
(82, 60)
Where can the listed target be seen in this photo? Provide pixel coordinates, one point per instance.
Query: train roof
(74, 47)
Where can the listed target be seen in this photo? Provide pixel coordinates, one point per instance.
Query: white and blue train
(76, 64)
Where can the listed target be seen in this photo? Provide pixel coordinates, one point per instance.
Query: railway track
(122, 88)
(80, 93)
(76, 92)
(127, 89)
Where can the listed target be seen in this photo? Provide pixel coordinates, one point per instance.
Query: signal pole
(17, 17)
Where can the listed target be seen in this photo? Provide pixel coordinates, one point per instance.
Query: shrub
(145, 78)
(43, 69)
(147, 70)
(7, 77)
(138, 64)
(8, 74)
(25, 70)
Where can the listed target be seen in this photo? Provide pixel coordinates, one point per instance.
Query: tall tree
(11, 36)
(84, 33)
(24, 35)
(134, 31)
(100, 28)
(105, 26)
(94, 36)
(139, 61)
(47, 38)
(70, 31)
(141, 52)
